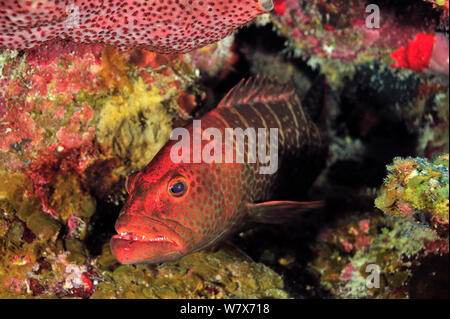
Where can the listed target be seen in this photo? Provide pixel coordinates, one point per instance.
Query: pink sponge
(439, 56)
(165, 26)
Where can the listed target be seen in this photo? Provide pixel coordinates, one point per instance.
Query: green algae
(53, 267)
(43, 225)
(392, 248)
(206, 274)
(416, 186)
(414, 199)
(77, 252)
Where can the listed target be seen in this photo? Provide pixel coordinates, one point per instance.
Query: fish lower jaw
(143, 238)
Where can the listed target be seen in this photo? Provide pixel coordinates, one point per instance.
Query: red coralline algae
(362, 241)
(50, 162)
(51, 97)
(338, 29)
(50, 52)
(425, 52)
(36, 287)
(364, 225)
(347, 273)
(86, 289)
(2, 106)
(159, 25)
(439, 246)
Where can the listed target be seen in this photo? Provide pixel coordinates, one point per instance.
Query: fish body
(157, 25)
(178, 208)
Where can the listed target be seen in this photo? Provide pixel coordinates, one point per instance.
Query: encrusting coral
(406, 244)
(417, 189)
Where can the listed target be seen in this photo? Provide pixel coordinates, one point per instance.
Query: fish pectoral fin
(278, 212)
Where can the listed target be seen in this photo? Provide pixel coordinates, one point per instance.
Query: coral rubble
(346, 252)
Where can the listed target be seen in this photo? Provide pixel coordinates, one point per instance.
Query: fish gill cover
(90, 92)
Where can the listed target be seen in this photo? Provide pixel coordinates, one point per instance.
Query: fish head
(172, 210)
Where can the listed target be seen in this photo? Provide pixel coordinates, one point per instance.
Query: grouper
(179, 207)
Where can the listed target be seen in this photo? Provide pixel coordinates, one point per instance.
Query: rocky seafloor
(77, 119)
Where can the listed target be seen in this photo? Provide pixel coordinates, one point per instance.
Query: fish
(164, 26)
(176, 208)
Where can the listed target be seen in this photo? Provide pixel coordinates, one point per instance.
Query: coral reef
(443, 7)
(344, 252)
(375, 61)
(134, 125)
(416, 187)
(220, 274)
(52, 268)
(398, 245)
(54, 105)
(425, 52)
(378, 95)
(336, 37)
(78, 117)
(216, 59)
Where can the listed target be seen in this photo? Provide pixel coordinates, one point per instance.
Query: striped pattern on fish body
(259, 103)
(218, 197)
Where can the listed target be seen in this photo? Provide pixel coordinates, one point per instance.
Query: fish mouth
(145, 238)
(142, 239)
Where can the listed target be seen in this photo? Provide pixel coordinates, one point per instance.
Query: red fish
(164, 26)
(176, 209)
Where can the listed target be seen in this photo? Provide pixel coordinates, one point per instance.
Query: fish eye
(178, 186)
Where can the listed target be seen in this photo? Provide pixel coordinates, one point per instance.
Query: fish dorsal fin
(259, 89)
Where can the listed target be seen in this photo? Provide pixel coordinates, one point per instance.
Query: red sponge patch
(279, 7)
(416, 55)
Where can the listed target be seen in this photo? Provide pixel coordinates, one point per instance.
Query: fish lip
(135, 237)
(131, 234)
